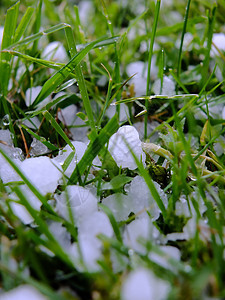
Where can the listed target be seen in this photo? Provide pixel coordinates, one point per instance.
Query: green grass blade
(58, 78)
(42, 62)
(23, 24)
(56, 126)
(94, 148)
(41, 139)
(182, 38)
(80, 80)
(36, 36)
(8, 35)
(148, 90)
(37, 26)
(211, 24)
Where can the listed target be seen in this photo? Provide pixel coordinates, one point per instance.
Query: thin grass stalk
(182, 38)
(80, 80)
(148, 89)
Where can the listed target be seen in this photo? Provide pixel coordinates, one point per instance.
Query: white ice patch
(218, 41)
(120, 142)
(80, 148)
(164, 260)
(37, 148)
(55, 51)
(138, 200)
(140, 79)
(23, 292)
(138, 232)
(168, 87)
(143, 284)
(79, 199)
(32, 93)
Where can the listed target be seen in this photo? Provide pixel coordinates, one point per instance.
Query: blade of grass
(8, 35)
(211, 24)
(182, 38)
(36, 36)
(56, 126)
(148, 89)
(39, 138)
(51, 84)
(37, 26)
(94, 148)
(23, 24)
(80, 80)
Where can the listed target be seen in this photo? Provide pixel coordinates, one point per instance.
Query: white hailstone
(138, 232)
(120, 205)
(218, 41)
(1, 35)
(32, 123)
(23, 292)
(67, 115)
(168, 88)
(91, 252)
(44, 176)
(124, 112)
(5, 138)
(96, 223)
(37, 148)
(80, 200)
(32, 93)
(55, 51)
(142, 199)
(143, 284)
(86, 9)
(120, 142)
(140, 126)
(61, 234)
(80, 148)
(42, 173)
(163, 260)
(21, 212)
(140, 79)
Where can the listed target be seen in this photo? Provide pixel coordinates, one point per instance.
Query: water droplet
(131, 252)
(5, 120)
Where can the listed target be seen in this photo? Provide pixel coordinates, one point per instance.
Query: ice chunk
(124, 112)
(23, 292)
(140, 79)
(218, 42)
(67, 115)
(5, 138)
(80, 200)
(42, 173)
(55, 51)
(120, 142)
(163, 260)
(32, 93)
(139, 231)
(168, 87)
(21, 212)
(95, 224)
(80, 148)
(142, 198)
(32, 123)
(1, 35)
(37, 148)
(143, 284)
(120, 205)
(91, 252)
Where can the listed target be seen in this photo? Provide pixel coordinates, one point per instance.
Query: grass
(183, 141)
